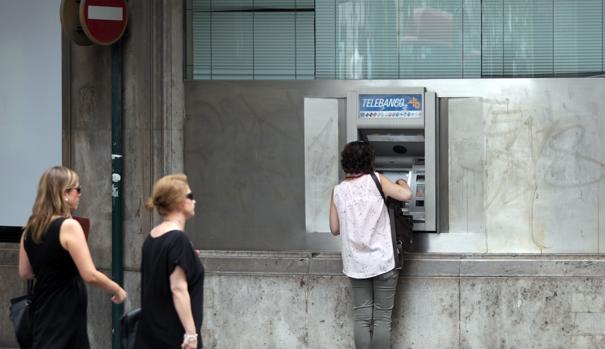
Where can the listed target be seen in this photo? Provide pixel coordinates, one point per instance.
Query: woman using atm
(359, 214)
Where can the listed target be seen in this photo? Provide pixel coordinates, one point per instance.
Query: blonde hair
(168, 193)
(49, 200)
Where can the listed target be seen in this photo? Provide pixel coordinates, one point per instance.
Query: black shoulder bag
(22, 318)
(128, 328)
(403, 235)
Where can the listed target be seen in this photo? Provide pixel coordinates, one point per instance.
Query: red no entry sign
(103, 21)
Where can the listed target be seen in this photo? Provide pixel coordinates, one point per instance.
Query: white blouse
(365, 228)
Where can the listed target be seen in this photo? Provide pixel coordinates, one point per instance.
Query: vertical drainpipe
(117, 162)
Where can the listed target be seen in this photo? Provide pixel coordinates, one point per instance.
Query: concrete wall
(298, 300)
(152, 122)
(526, 166)
(301, 300)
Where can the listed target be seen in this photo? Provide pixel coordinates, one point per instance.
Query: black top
(60, 300)
(159, 325)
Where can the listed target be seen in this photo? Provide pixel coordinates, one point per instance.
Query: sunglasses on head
(189, 196)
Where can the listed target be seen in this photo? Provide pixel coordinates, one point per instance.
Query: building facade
(211, 90)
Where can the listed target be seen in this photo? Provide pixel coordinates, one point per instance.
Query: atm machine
(405, 131)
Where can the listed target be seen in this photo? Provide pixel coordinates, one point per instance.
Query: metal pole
(117, 162)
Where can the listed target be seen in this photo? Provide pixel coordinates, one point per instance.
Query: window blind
(432, 39)
(395, 39)
(578, 36)
(542, 38)
(325, 39)
(246, 39)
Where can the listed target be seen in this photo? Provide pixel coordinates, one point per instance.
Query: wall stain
(534, 148)
(86, 103)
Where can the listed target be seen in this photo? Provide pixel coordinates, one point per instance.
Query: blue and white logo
(407, 106)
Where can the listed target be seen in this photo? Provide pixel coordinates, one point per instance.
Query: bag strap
(393, 237)
(378, 186)
(30, 286)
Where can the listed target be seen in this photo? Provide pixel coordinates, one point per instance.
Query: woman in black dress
(172, 275)
(53, 249)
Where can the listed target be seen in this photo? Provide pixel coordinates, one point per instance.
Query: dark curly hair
(357, 157)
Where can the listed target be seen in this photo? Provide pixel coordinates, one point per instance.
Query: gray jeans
(373, 301)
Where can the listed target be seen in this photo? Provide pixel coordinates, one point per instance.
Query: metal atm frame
(407, 127)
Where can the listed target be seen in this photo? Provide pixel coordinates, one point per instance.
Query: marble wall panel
(329, 312)
(531, 312)
(466, 177)
(426, 313)
(321, 161)
(251, 312)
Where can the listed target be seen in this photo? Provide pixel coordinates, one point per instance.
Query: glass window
(393, 39)
(246, 39)
(432, 39)
(542, 38)
(578, 36)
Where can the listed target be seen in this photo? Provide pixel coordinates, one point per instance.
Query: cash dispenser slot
(400, 154)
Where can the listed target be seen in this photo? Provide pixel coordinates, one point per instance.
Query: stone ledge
(416, 264)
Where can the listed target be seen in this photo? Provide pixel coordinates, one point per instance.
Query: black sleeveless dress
(60, 299)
